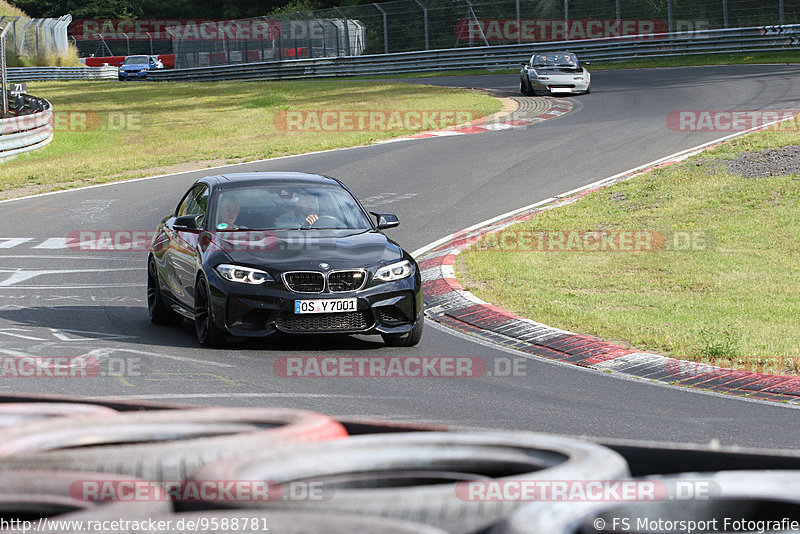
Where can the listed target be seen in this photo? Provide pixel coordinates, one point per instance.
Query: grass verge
(678, 61)
(722, 289)
(108, 131)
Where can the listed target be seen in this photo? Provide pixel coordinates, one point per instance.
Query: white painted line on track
(247, 395)
(8, 242)
(105, 352)
(81, 258)
(683, 154)
(20, 275)
(85, 286)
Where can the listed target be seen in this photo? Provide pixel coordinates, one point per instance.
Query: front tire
(405, 340)
(208, 334)
(526, 88)
(160, 312)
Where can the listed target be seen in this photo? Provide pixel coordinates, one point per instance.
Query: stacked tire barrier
(68, 465)
(29, 127)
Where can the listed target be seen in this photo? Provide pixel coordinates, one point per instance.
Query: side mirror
(586, 62)
(385, 220)
(186, 222)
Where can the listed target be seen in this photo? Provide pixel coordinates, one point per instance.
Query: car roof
(243, 179)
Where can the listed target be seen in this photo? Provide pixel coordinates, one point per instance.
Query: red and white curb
(447, 303)
(546, 108)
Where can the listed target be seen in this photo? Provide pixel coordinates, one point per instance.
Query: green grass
(733, 299)
(684, 60)
(678, 61)
(109, 131)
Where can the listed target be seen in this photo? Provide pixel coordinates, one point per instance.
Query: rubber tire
(513, 456)
(291, 522)
(12, 413)
(158, 444)
(522, 88)
(528, 89)
(208, 334)
(409, 339)
(725, 487)
(160, 312)
(58, 495)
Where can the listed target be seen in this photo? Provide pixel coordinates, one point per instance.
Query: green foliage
(716, 344)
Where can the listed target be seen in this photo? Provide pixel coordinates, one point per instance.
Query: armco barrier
(30, 127)
(747, 40)
(29, 74)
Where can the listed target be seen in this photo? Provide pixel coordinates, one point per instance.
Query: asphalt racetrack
(58, 302)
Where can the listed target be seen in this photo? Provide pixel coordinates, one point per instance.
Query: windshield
(136, 60)
(556, 60)
(285, 206)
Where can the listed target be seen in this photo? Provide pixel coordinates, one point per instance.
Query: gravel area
(770, 162)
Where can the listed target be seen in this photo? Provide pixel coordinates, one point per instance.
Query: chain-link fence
(412, 25)
(409, 25)
(36, 37)
(256, 40)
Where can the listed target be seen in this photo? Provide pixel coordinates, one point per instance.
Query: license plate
(560, 90)
(325, 306)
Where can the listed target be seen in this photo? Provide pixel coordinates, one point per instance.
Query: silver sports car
(553, 73)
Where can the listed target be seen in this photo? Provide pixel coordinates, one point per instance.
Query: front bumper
(559, 86)
(257, 311)
(124, 75)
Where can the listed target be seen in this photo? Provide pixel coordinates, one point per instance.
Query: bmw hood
(303, 249)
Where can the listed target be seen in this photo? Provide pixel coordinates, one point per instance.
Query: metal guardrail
(748, 40)
(29, 74)
(30, 127)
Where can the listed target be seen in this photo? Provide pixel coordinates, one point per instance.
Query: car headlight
(395, 271)
(244, 275)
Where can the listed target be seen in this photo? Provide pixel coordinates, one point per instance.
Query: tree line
(170, 9)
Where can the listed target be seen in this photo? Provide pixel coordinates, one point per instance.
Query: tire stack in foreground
(216, 470)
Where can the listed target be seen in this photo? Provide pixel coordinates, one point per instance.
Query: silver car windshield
(555, 61)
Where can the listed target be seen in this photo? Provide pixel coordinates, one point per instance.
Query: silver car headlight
(243, 275)
(395, 271)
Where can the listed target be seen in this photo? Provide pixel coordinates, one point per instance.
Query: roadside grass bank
(106, 131)
(711, 272)
(643, 63)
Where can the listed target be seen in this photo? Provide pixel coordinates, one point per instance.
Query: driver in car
(306, 208)
(302, 210)
(228, 212)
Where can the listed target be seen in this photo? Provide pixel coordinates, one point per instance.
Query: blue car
(136, 67)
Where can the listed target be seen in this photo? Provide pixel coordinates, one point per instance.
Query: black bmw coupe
(253, 254)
